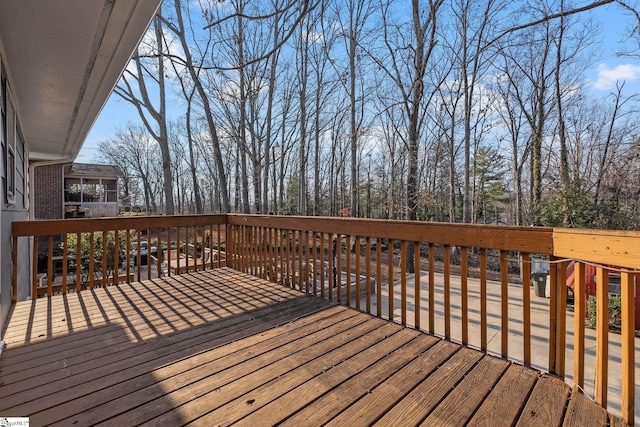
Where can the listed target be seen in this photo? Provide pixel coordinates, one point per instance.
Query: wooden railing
(473, 283)
(85, 253)
(365, 263)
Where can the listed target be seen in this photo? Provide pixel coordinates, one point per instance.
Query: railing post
(561, 318)
(557, 316)
(628, 346)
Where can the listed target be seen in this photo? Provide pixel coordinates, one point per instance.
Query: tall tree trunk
(354, 128)
(270, 101)
(564, 156)
(194, 72)
(302, 96)
(162, 124)
(193, 162)
(242, 126)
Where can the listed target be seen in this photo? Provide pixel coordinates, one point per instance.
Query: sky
(601, 78)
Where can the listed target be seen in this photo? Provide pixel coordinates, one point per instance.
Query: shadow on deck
(223, 347)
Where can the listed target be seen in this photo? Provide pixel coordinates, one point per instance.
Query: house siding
(13, 207)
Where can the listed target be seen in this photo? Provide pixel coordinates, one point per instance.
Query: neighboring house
(76, 190)
(91, 191)
(59, 62)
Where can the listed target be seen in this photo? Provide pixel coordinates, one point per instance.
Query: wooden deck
(221, 347)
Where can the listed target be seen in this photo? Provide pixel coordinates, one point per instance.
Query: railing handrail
(536, 240)
(614, 248)
(86, 225)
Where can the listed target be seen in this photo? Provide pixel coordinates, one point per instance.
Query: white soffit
(63, 58)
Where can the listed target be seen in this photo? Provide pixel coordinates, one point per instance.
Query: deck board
(582, 412)
(546, 404)
(471, 390)
(336, 399)
(223, 347)
(505, 401)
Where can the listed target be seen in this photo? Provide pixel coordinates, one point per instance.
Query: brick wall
(48, 192)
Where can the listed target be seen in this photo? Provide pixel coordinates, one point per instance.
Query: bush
(615, 311)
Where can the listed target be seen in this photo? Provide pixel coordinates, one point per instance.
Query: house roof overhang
(63, 59)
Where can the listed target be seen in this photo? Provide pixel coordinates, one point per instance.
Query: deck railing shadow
(124, 340)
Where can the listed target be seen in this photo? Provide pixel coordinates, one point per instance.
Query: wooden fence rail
(100, 252)
(360, 262)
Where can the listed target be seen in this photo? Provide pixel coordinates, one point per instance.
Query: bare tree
(407, 69)
(133, 150)
(133, 88)
(195, 70)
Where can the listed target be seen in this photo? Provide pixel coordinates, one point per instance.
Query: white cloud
(608, 77)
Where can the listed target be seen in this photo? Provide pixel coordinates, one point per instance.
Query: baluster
(357, 246)
(483, 299)
(558, 306)
(307, 261)
(50, 266)
(602, 335)
(403, 282)
(464, 294)
(92, 261)
(139, 255)
(169, 249)
(322, 258)
(339, 266)
(417, 303)
(34, 263)
(432, 286)
(267, 253)
(179, 248)
(283, 268)
(259, 245)
(390, 272)
(14, 259)
(378, 277)
(331, 266)
(219, 247)
(504, 299)
(294, 251)
(300, 258)
(116, 256)
(368, 273)
(103, 267)
(314, 257)
(148, 259)
(348, 268)
(447, 291)
(127, 256)
(526, 309)
(244, 249)
(289, 261)
(65, 260)
(203, 248)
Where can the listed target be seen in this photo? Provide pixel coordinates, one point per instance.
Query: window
(91, 190)
(112, 190)
(72, 190)
(11, 149)
(3, 126)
